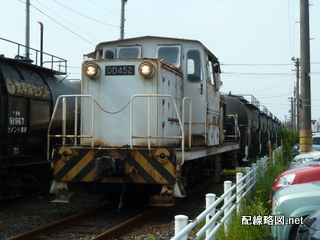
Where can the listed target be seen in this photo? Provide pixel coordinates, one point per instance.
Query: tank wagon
(152, 118)
(28, 94)
(257, 126)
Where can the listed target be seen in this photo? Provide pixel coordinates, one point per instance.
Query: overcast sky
(254, 40)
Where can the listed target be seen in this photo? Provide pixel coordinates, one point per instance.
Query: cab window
(170, 54)
(194, 70)
(105, 54)
(129, 52)
(100, 54)
(214, 70)
(108, 54)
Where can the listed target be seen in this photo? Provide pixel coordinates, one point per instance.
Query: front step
(168, 194)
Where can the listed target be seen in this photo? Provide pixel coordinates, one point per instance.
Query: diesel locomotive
(29, 90)
(151, 118)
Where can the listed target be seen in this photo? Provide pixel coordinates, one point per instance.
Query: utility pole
(297, 92)
(123, 2)
(27, 28)
(292, 112)
(305, 132)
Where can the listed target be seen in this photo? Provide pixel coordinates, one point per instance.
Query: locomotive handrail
(190, 116)
(64, 121)
(181, 123)
(64, 134)
(236, 130)
(205, 123)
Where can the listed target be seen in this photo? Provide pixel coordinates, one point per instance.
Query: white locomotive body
(151, 113)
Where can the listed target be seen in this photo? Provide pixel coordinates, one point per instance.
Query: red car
(297, 175)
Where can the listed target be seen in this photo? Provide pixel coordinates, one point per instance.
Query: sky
(254, 41)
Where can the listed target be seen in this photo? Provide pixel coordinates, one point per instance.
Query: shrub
(255, 205)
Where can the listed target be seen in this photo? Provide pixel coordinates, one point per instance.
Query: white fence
(231, 202)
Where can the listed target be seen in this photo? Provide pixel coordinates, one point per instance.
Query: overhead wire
(60, 24)
(103, 8)
(85, 15)
(255, 64)
(67, 21)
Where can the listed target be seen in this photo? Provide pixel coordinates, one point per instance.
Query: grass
(258, 204)
(255, 206)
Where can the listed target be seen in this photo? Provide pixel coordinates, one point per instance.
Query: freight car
(28, 94)
(152, 118)
(257, 126)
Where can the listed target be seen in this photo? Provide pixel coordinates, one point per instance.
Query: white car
(306, 157)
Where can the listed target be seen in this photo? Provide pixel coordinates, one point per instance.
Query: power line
(62, 25)
(104, 8)
(101, 7)
(67, 21)
(266, 74)
(85, 15)
(255, 64)
(259, 64)
(286, 94)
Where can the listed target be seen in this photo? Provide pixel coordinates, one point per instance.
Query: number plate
(120, 70)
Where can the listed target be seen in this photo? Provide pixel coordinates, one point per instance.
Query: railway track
(92, 222)
(105, 222)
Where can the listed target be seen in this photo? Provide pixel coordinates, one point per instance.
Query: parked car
(296, 150)
(297, 175)
(313, 162)
(316, 142)
(293, 204)
(310, 228)
(306, 157)
(315, 145)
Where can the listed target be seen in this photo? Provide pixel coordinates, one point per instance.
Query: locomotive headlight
(146, 69)
(91, 70)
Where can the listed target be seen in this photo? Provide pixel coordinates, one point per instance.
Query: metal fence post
(210, 198)
(239, 192)
(227, 186)
(180, 222)
(244, 183)
(248, 176)
(255, 172)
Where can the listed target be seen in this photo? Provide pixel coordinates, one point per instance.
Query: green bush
(289, 138)
(256, 205)
(236, 230)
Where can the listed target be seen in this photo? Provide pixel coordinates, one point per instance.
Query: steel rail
(55, 226)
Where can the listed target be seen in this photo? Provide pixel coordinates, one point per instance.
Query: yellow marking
(150, 170)
(90, 176)
(79, 166)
